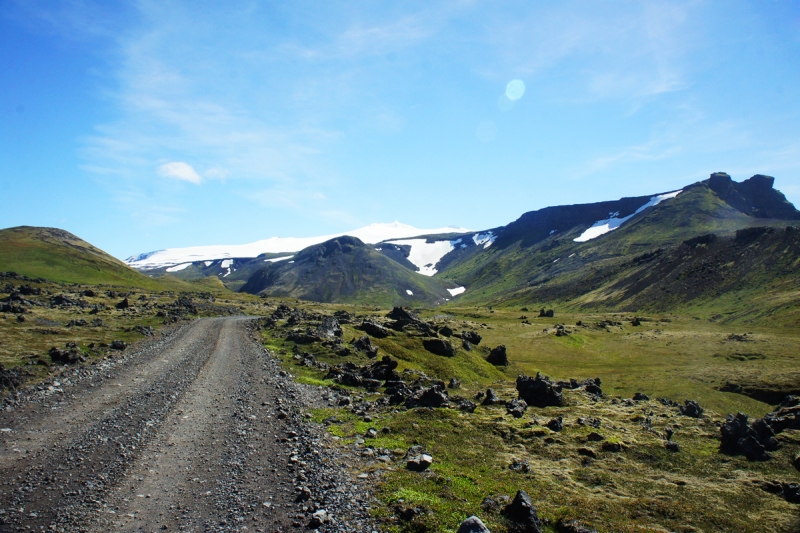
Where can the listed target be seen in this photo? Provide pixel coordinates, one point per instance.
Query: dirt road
(197, 431)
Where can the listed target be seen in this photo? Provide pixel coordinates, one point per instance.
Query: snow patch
(372, 234)
(426, 255)
(178, 268)
(276, 259)
(209, 263)
(486, 239)
(601, 227)
(456, 291)
(552, 231)
(409, 292)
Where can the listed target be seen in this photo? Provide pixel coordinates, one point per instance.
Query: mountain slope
(537, 258)
(345, 269)
(60, 256)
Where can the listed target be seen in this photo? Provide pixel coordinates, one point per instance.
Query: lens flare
(515, 89)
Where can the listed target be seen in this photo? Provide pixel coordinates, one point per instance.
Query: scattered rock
(454, 384)
(672, 446)
(466, 345)
(473, 524)
(595, 437)
(498, 356)
(446, 331)
(546, 314)
(639, 397)
(797, 461)
(124, 304)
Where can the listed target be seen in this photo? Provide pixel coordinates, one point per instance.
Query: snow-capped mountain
(373, 234)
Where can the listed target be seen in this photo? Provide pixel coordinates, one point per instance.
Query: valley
(577, 370)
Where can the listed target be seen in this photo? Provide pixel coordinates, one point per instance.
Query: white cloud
(179, 171)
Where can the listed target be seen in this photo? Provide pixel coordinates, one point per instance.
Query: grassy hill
(60, 256)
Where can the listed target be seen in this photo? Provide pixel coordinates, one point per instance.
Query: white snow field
(424, 255)
(601, 227)
(372, 234)
(456, 291)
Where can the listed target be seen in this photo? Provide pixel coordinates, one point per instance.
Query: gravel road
(198, 430)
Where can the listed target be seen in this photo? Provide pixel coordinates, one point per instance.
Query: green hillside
(60, 256)
(643, 264)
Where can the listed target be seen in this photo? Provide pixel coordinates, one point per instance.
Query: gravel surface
(199, 430)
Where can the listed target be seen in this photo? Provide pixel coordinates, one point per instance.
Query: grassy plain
(644, 487)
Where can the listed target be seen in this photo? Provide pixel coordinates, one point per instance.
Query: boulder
(364, 344)
(471, 336)
(398, 313)
(539, 391)
(462, 404)
(672, 446)
(546, 314)
(454, 384)
(439, 347)
(491, 398)
(639, 397)
(691, 408)
(517, 407)
(522, 514)
(739, 438)
(797, 461)
(573, 526)
(428, 397)
(329, 328)
(69, 356)
(473, 524)
(446, 331)
(383, 370)
(498, 356)
(374, 329)
(419, 463)
(556, 424)
(466, 345)
(124, 304)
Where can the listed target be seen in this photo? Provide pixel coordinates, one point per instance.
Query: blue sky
(153, 124)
